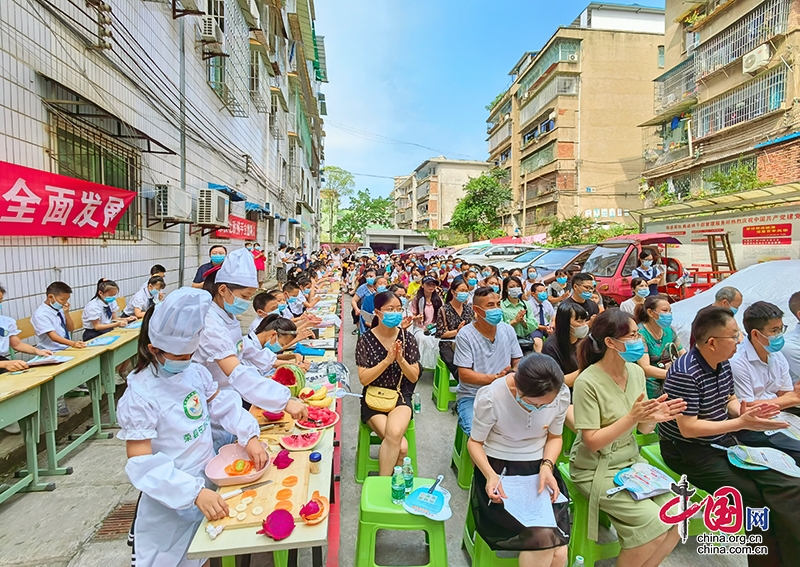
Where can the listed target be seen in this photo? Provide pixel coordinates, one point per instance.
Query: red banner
(39, 203)
(238, 228)
(767, 230)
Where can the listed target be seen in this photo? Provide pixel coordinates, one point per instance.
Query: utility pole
(182, 86)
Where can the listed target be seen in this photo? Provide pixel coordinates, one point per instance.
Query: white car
(773, 281)
(521, 261)
(494, 254)
(472, 250)
(364, 251)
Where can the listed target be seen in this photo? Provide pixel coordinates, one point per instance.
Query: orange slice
(284, 505)
(284, 494)
(249, 493)
(289, 481)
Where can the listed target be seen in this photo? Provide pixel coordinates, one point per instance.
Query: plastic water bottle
(331, 371)
(578, 561)
(417, 402)
(398, 486)
(408, 475)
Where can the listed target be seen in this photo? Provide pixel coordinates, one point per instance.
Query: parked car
(566, 257)
(521, 260)
(495, 254)
(364, 251)
(473, 249)
(397, 251)
(418, 251)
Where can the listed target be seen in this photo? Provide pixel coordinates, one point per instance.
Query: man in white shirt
(791, 350)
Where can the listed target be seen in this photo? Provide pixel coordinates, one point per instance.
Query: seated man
(703, 379)
(486, 350)
(729, 298)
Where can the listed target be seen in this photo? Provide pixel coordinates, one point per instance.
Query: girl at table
(221, 343)
(517, 428)
(147, 296)
(264, 345)
(101, 313)
(164, 417)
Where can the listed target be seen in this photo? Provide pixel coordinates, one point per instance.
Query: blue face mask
(258, 248)
(495, 288)
(292, 299)
(174, 366)
(586, 294)
(381, 288)
(154, 292)
(472, 282)
(531, 407)
(647, 263)
(532, 275)
(514, 292)
(458, 265)
(734, 309)
(238, 306)
(274, 347)
(494, 316)
(307, 291)
(111, 299)
(664, 320)
(281, 307)
(403, 301)
(57, 306)
(541, 296)
(370, 281)
(643, 292)
(217, 258)
(561, 281)
(462, 296)
(634, 350)
(487, 274)
(391, 319)
(775, 343)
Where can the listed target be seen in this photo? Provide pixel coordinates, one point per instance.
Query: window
(85, 153)
(538, 159)
(661, 62)
(560, 50)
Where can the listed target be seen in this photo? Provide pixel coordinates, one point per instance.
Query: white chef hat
(238, 269)
(177, 321)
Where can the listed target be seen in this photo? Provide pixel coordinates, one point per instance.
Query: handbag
(382, 399)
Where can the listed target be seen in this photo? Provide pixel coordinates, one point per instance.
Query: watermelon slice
(291, 376)
(302, 441)
(319, 417)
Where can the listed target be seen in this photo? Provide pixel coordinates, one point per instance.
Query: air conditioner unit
(212, 208)
(526, 95)
(194, 5)
(756, 60)
(573, 57)
(210, 31)
(173, 203)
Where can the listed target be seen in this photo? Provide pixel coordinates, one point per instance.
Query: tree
(364, 211)
(338, 183)
(584, 230)
(476, 214)
(739, 177)
(445, 237)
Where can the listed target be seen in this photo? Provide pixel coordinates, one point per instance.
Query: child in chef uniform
(221, 348)
(165, 417)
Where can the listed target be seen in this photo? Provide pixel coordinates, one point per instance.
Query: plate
(335, 421)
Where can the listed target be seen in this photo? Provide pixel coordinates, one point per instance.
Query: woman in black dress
(387, 357)
(455, 313)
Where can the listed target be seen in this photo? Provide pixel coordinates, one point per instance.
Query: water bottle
(398, 486)
(578, 561)
(408, 475)
(417, 402)
(331, 371)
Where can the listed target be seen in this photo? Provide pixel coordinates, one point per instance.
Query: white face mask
(580, 332)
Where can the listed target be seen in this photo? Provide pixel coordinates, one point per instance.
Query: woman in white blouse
(517, 429)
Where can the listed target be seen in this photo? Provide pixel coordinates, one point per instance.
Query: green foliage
(739, 177)
(496, 100)
(476, 214)
(338, 183)
(445, 237)
(583, 230)
(364, 211)
(660, 194)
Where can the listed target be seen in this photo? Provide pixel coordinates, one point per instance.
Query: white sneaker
(62, 409)
(13, 429)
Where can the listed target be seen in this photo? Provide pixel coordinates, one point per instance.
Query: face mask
(449, 266)
(174, 366)
(274, 347)
(541, 296)
(417, 278)
(217, 258)
(391, 319)
(258, 248)
(403, 301)
(249, 247)
(494, 316)
(647, 263)
(292, 299)
(462, 296)
(561, 281)
(238, 306)
(664, 320)
(586, 294)
(531, 275)
(580, 332)
(472, 282)
(514, 292)
(381, 288)
(306, 291)
(495, 288)
(320, 273)
(370, 281)
(634, 350)
(57, 306)
(281, 307)
(154, 292)
(775, 343)
(458, 265)
(409, 268)
(487, 274)
(643, 292)
(734, 309)
(531, 407)
(111, 299)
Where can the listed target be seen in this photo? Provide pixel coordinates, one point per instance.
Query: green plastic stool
(378, 513)
(567, 440)
(442, 382)
(579, 542)
(644, 439)
(461, 461)
(478, 550)
(366, 438)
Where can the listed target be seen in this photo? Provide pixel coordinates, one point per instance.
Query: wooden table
(244, 541)
(20, 400)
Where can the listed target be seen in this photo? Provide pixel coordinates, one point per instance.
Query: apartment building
(208, 111)
(729, 95)
(566, 128)
(426, 198)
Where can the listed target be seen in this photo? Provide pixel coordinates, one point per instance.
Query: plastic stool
(478, 550)
(644, 439)
(377, 512)
(442, 382)
(567, 440)
(461, 460)
(366, 438)
(579, 542)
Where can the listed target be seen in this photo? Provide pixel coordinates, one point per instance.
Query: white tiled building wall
(35, 45)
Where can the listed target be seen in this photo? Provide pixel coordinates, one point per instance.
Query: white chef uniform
(172, 411)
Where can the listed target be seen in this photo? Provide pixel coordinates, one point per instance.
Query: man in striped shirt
(703, 378)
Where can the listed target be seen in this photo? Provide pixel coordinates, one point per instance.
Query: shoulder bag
(382, 399)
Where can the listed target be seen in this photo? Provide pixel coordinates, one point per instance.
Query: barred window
(538, 159)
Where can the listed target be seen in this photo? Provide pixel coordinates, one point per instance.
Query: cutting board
(266, 496)
(284, 427)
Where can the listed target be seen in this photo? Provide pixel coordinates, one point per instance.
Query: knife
(238, 491)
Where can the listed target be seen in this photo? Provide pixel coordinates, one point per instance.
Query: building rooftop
(638, 8)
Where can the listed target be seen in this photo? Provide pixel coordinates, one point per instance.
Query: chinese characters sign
(38, 203)
(238, 228)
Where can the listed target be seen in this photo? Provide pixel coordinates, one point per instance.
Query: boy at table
(145, 298)
(264, 303)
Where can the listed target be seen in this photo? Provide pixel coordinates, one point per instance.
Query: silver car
(522, 260)
(494, 254)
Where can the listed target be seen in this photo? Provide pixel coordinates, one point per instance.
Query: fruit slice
(284, 505)
(291, 376)
(241, 516)
(249, 494)
(305, 393)
(289, 481)
(257, 511)
(284, 494)
(302, 441)
(272, 416)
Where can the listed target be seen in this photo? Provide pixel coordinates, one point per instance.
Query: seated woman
(516, 314)
(517, 428)
(610, 402)
(661, 343)
(387, 357)
(640, 291)
(455, 313)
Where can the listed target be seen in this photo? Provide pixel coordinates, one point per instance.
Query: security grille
(258, 89)
(228, 76)
(558, 86)
(675, 86)
(561, 50)
(503, 134)
(538, 159)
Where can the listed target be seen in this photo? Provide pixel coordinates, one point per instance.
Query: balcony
(675, 90)
(499, 137)
(563, 85)
(538, 159)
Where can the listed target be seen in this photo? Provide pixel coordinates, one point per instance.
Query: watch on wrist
(547, 462)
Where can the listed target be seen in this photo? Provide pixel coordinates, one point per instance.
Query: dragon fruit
(272, 416)
(316, 510)
(291, 376)
(278, 525)
(283, 459)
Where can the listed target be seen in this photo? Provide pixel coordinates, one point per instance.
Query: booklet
(793, 431)
(642, 481)
(45, 360)
(763, 456)
(530, 507)
(102, 340)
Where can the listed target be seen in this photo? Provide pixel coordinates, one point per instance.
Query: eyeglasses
(736, 336)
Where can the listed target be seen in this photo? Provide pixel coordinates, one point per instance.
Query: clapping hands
(657, 410)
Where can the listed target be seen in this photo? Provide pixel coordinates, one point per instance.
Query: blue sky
(422, 72)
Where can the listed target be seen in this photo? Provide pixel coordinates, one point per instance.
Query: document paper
(526, 504)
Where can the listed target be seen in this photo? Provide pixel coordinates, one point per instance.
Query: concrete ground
(57, 529)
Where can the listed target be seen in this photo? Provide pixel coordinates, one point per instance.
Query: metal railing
(675, 86)
(558, 86)
(538, 159)
(503, 134)
(567, 50)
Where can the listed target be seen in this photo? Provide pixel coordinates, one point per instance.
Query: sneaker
(63, 410)
(13, 429)
(82, 390)
(355, 332)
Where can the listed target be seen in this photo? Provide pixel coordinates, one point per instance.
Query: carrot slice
(284, 494)
(284, 505)
(249, 493)
(289, 481)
